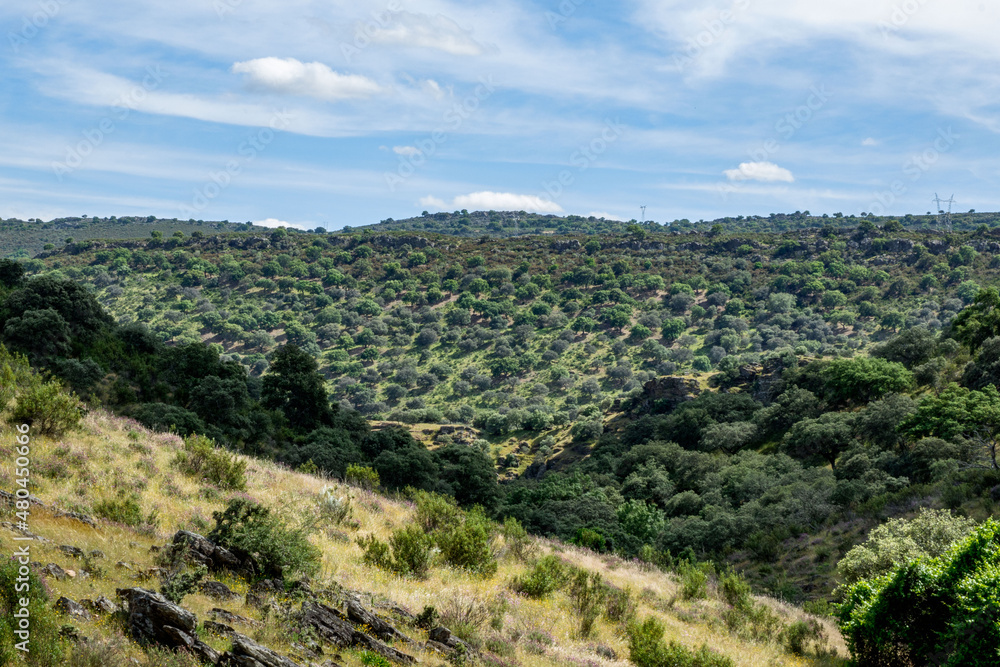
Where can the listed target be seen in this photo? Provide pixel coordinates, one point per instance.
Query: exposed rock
(72, 552)
(72, 608)
(154, 619)
(206, 553)
(96, 554)
(380, 628)
(563, 246)
(101, 605)
(331, 626)
(247, 653)
(82, 518)
(23, 532)
(217, 590)
(443, 636)
(54, 571)
(264, 591)
(937, 246)
(663, 394)
(230, 617)
(218, 628)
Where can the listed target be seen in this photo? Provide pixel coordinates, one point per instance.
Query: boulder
(229, 617)
(379, 627)
(54, 571)
(72, 608)
(154, 619)
(264, 591)
(248, 653)
(206, 553)
(72, 552)
(101, 605)
(331, 626)
(443, 636)
(217, 590)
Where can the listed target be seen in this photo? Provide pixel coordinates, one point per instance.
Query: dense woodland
(756, 399)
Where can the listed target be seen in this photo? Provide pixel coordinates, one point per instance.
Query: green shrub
(694, 580)
(14, 373)
(411, 551)
(47, 408)
(125, 508)
(548, 575)
(619, 605)
(519, 543)
(799, 634)
(587, 593)
(646, 649)
(181, 584)
(930, 610)
(469, 544)
(369, 659)
(270, 546)
(332, 507)
(201, 458)
(361, 476)
(376, 552)
(428, 619)
(435, 512)
(45, 647)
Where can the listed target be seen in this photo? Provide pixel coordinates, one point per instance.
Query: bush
(181, 584)
(930, 610)
(547, 576)
(587, 592)
(694, 580)
(376, 552)
(435, 512)
(264, 541)
(619, 606)
(369, 659)
(362, 476)
(47, 408)
(646, 649)
(411, 551)
(124, 509)
(519, 544)
(45, 647)
(332, 507)
(468, 545)
(202, 459)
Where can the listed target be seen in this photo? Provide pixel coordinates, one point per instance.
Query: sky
(331, 113)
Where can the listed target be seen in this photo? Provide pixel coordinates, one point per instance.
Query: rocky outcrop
(154, 619)
(72, 608)
(663, 394)
(442, 639)
(217, 590)
(565, 246)
(204, 552)
(248, 653)
(331, 626)
(101, 606)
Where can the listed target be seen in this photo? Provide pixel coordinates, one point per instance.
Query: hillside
(27, 238)
(128, 495)
(759, 400)
(505, 224)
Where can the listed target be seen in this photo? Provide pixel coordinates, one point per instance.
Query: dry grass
(109, 455)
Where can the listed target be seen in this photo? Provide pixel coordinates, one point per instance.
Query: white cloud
(429, 32)
(766, 172)
(606, 216)
(274, 222)
(291, 76)
(406, 150)
(495, 201)
(870, 142)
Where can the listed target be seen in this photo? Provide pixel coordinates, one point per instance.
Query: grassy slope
(110, 454)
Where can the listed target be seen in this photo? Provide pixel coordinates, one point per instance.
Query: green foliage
(647, 649)
(361, 476)
(901, 541)
(265, 540)
(45, 647)
(124, 508)
(411, 551)
(435, 512)
(546, 576)
(202, 459)
(864, 379)
(959, 412)
(370, 659)
(47, 408)
(469, 544)
(930, 610)
(181, 584)
(694, 579)
(587, 593)
(519, 544)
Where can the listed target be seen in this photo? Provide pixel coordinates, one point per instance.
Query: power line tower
(941, 212)
(643, 213)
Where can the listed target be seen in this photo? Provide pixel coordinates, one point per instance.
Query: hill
(759, 400)
(505, 224)
(108, 497)
(27, 238)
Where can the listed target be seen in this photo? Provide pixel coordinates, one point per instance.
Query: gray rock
(217, 590)
(72, 608)
(72, 552)
(154, 619)
(218, 628)
(247, 653)
(229, 617)
(332, 626)
(206, 553)
(101, 605)
(55, 572)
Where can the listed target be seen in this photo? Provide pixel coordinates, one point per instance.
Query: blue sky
(312, 112)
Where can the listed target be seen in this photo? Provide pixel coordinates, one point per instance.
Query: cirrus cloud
(496, 201)
(766, 172)
(294, 77)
